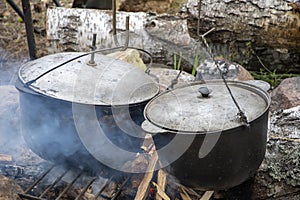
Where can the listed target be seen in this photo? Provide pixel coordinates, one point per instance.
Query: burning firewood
(161, 182)
(143, 188)
(139, 164)
(184, 195)
(188, 191)
(144, 185)
(207, 195)
(110, 190)
(161, 192)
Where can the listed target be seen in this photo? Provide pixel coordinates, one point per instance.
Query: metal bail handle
(240, 114)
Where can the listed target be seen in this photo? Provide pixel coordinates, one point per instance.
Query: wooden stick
(207, 195)
(189, 190)
(184, 195)
(284, 138)
(143, 187)
(160, 191)
(161, 182)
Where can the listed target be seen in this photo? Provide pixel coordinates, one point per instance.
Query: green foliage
(195, 65)
(271, 76)
(177, 66)
(20, 19)
(177, 63)
(220, 57)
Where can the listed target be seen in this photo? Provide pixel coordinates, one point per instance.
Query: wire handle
(240, 114)
(28, 83)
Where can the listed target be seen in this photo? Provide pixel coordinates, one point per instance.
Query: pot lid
(109, 82)
(189, 109)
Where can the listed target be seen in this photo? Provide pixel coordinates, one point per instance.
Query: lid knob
(204, 91)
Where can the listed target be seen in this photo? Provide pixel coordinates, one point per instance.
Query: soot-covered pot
(200, 137)
(83, 113)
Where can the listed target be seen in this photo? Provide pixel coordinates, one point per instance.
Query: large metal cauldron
(63, 111)
(201, 138)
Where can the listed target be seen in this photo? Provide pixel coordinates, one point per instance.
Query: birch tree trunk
(72, 30)
(243, 29)
(269, 27)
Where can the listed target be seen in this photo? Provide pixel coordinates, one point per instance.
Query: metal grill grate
(78, 174)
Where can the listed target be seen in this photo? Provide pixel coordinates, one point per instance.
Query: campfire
(43, 180)
(64, 156)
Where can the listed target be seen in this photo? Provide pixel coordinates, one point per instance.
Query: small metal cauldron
(63, 111)
(200, 136)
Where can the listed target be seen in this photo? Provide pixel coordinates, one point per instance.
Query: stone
(9, 189)
(131, 56)
(207, 70)
(295, 4)
(165, 76)
(286, 95)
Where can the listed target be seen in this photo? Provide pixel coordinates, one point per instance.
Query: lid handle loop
(85, 54)
(92, 61)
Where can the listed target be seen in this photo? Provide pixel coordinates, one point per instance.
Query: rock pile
(207, 70)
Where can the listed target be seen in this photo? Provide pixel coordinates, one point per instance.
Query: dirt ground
(12, 28)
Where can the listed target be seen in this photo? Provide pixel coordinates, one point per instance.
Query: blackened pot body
(235, 157)
(202, 140)
(49, 129)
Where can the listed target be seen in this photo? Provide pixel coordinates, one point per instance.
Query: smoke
(8, 68)
(11, 139)
(80, 134)
(9, 103)
(48, 127)
(42, 125)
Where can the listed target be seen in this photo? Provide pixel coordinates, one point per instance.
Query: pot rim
(160, 129)
(98, 102)
(23, 88)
